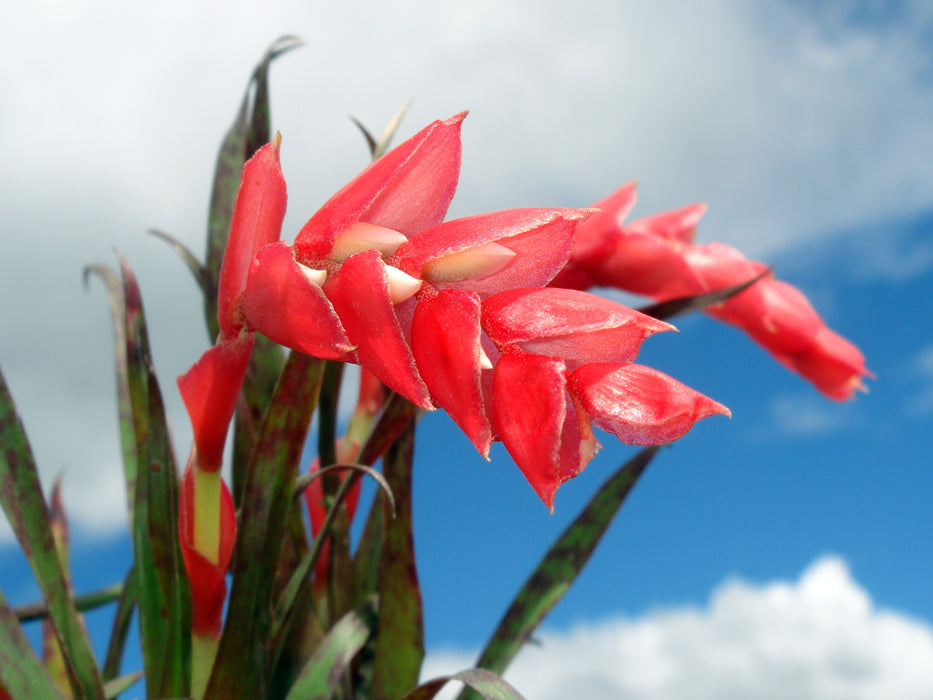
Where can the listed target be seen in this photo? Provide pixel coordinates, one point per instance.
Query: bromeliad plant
(485, 317)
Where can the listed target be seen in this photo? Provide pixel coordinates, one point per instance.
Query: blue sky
(799, 524)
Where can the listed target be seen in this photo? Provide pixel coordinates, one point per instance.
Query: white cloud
(110, 116)
(819, 638)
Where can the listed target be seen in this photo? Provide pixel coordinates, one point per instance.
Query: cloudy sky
(804, 126)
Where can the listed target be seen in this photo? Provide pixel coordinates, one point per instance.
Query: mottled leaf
(559, 568)
(485, 683)
(162, 585)
(28, 514)
(21, 672)
(240, 670)
(400, 638)
(320, 677)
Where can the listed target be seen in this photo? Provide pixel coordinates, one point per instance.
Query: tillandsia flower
(210, 389)
(566, 363)
(375, 277)
(656, 256)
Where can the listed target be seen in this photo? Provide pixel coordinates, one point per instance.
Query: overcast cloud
(818, 638)
(790, 122)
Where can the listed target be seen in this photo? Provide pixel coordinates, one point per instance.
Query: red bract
(552, 380)
(656, 256)
(207, 577)
(349, 287)
(211, 387)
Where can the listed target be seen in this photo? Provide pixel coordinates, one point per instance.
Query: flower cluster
(456, 315)
(656, 256)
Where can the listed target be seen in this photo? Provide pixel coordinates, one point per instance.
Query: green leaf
(399, 647)
(121, 627)
(189, 258)
(396, 415)
(115, 686)
(241, 667)
(28, 514)
(302, 571)
(83, 602)
(484, 682)
(125, 418)
(162, 584)
(21, 673)
(684, 305)
(320, 677)
(559, 568)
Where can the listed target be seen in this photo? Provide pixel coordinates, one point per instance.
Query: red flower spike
(655, 256)
(536, 421)
(567, 323)
(590, 241)
(445, 340)
(832, 363)
(540, 238)
(678, 225)
(360, 293)
(408, 189)
(287, 306)
(209, 390)
(256, 222)
(640, 405)
(207, 579)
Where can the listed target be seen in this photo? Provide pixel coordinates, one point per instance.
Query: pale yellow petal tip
(276, 140)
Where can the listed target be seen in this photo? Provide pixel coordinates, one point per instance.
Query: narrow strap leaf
(115, 686)
(400, 638)
(321, 675)
(559, 568)
(486, 683)
(28, 514)
(240, 668)
(83, 602)
(121, 627)
(189, 258)
(163, 594)
(21, 673)
(124, 403)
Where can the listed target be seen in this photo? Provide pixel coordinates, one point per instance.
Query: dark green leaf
(683, 305)
(396, 414)
(124, 403)
(28, 514)
(121, 628)
(485, 683)
(281, 617)
(115, 686)
(559, 567)
(400, 637)
(162, 585)
(21, 673)
(240, 670)
(321, 676)
(86, 601)
(189, 258)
